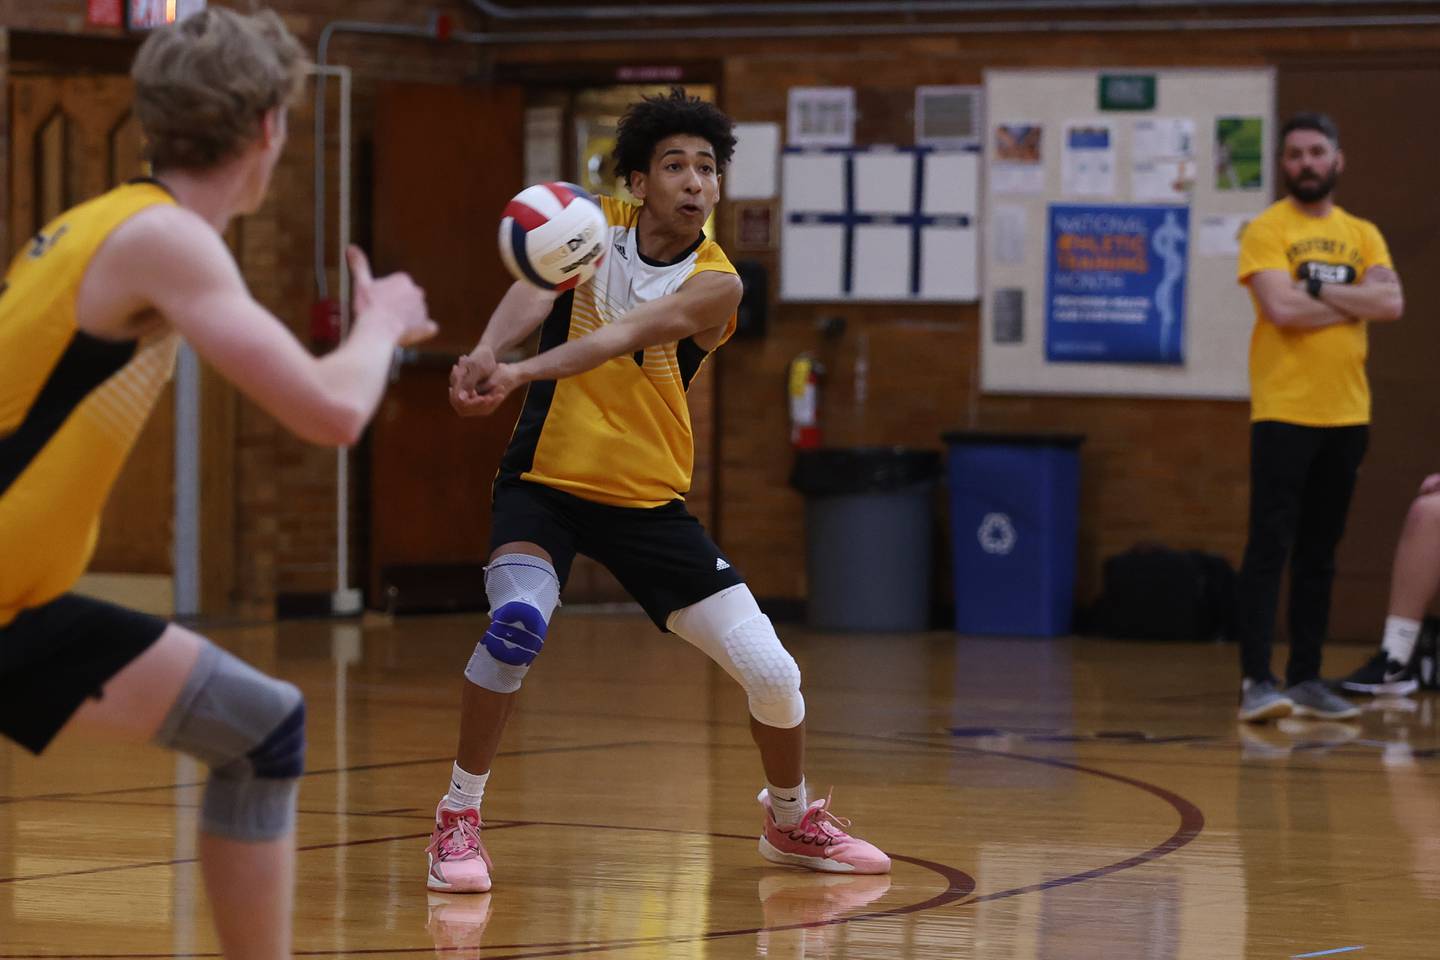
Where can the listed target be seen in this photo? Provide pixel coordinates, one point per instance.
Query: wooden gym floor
(1061, 800)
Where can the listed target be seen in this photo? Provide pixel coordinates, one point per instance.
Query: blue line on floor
(1327, 953)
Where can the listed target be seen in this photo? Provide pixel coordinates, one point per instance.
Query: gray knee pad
(249, 729)
(523, 592)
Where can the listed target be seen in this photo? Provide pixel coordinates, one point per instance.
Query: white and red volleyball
(553, 235)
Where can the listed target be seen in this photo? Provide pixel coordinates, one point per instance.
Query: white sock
(466, 789)
(787, 803)
(1399, 642)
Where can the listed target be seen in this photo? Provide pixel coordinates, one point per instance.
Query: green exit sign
(1127, 91)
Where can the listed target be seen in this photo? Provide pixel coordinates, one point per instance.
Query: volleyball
(553, 235)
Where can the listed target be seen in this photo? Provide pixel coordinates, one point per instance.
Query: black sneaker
(1382, 676)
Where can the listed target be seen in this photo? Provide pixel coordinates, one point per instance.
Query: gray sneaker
(1260, 701)
(1313, 699)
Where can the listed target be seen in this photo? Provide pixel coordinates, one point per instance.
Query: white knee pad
(729, 627)
(524, 591)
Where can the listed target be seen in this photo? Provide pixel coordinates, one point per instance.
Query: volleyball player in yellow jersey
(90, 318)
(1317, 274)
(599, 464)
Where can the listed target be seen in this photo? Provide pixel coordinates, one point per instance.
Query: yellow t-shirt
(1313, 378)
(71, 405)
(620, 433)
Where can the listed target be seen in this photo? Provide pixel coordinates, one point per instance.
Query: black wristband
(1313, 285)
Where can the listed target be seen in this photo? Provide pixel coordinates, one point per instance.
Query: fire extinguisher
(805, 374)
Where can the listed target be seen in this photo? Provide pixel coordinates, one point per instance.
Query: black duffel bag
(1151, 592)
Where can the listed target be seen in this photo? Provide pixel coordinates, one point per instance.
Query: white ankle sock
(1400, 634)
(787, 803)
(466, 789)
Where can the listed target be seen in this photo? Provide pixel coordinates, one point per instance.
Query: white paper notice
(1087, 161)
(1163, 138)
(1162, 151)
(752, 171)
(821, 116)
(1167, 181)
(1009, 237)
(1219, 234)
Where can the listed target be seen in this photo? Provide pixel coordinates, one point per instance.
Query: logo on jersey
(620, 249)
(720, 564)
(1326, 272)
(42, 244)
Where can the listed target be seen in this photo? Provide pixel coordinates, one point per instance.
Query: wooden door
(447, 159)
(1389, 168)
(71, 138)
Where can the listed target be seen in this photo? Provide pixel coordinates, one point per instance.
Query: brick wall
(1172, 471)
(1166, 470)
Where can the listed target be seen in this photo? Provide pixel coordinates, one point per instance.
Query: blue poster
(1115, 284)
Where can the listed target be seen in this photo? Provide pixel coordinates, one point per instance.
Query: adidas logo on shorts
(720, 564)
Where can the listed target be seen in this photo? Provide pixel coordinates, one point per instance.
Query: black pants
(1301, 479)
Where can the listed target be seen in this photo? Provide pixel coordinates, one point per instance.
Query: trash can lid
(835, 471)
(958, 437)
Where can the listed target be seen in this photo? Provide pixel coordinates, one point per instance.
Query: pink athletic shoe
(458, 861)
(818, 842)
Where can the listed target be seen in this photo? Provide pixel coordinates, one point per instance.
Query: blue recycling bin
(1014, 519)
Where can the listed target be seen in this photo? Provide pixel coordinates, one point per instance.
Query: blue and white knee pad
(524, 592)
(729, 627)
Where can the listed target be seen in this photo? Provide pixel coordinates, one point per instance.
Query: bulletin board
(1183, 166)
(880, 224)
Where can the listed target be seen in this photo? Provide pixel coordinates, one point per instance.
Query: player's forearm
(577, 356)
(519, 312)
(352, 379)
(1294, 309)
(1372, 301)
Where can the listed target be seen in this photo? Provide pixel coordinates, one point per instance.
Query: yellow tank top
(71, 405)
(620, 433)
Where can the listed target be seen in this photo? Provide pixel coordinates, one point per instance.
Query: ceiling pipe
(907, 8)
(960, 29)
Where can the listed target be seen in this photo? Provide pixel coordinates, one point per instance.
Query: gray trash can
(868, 531)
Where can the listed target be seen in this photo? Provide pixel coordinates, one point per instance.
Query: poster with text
(1115, 284)
(1087, 162)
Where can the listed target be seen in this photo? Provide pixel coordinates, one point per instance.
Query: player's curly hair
(652, 119)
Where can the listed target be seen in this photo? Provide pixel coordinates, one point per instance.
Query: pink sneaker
(818, 842)
(458, 861)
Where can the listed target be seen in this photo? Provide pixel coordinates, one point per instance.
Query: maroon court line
(1192, 822)
(390, 764)
(398, 813)
(959, 886)
(181, 861)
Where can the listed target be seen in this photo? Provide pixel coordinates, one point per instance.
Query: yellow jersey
(71, 405)
(1310, 377)
(620, 433)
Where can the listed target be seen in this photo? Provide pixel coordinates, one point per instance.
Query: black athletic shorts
(54, 657)
(661, 555)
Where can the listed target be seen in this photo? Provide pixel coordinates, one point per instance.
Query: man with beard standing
(1316, 275)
